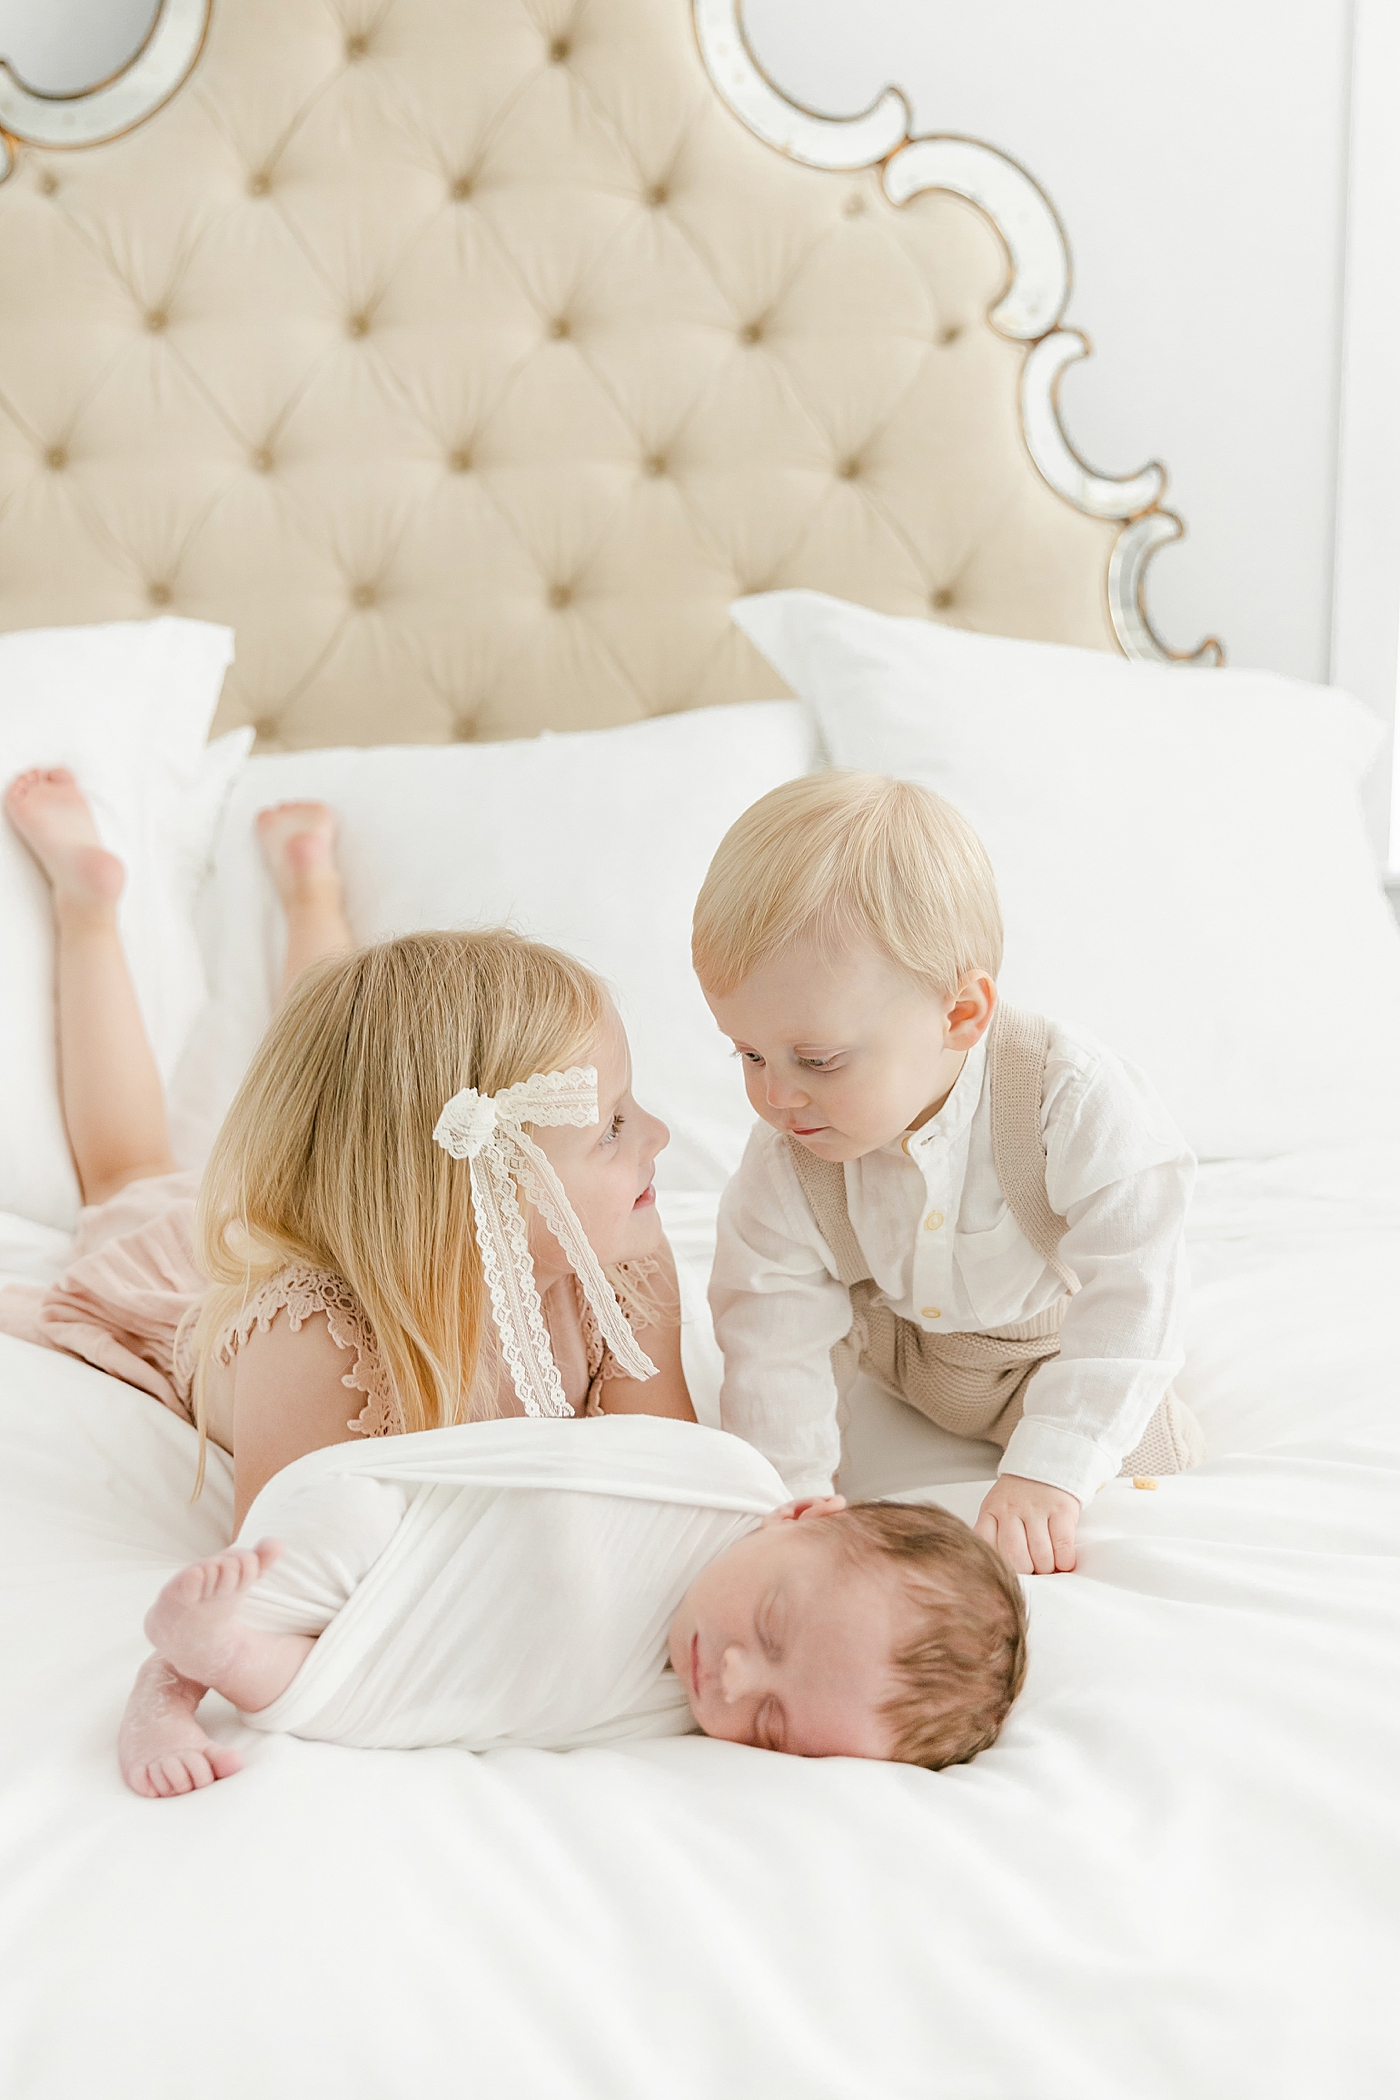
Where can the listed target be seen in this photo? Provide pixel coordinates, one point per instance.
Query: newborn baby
(556, 1584)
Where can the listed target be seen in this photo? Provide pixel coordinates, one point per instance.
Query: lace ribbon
(485, 1130)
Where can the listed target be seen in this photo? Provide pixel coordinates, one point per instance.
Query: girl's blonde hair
(326, 1157)
(842, 855)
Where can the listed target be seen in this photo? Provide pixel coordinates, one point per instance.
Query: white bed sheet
(1175, 1876)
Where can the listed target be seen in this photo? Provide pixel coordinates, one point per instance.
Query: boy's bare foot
(50, 812)
(298, 845)
(161, 1747)
(196, 1625)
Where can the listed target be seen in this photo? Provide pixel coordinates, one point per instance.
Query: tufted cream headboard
(469, 356)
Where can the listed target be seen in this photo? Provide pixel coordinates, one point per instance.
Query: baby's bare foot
(195, 1624)
(298, 845)
(161, 1747)
(50, 812)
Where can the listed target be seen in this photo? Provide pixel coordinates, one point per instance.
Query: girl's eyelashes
(614, 1130)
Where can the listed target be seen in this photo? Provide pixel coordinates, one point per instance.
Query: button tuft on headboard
(364, 596)
(357, 325)
(158, 593)
(460, 460)
(263, 460)
(559, 49)
(56, 457)
(560, 595)
(157, 320)
(356, 46)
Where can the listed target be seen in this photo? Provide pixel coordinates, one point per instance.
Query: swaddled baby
(557, 1584)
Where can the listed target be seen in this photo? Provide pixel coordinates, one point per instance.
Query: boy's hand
(1030, 1524)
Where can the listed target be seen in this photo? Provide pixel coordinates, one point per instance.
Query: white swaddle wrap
(499, 1584)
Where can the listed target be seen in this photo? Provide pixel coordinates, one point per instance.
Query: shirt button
(933, 1221)
(904, 1146)
(931, 1312)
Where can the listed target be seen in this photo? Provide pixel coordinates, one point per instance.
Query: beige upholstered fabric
(468, 356)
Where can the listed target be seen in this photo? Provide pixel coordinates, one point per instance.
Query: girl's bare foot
(161, 1747)
(196, 1625)
(298, 845)
(50, 812)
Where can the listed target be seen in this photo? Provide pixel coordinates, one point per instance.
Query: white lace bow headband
(485, 1130)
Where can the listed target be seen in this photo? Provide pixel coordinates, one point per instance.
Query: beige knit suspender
(1018, 1045)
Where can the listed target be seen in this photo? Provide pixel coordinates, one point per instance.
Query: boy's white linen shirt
(946, 1254)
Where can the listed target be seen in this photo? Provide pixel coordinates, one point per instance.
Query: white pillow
(596, 842)
(1183, 862)
(128, 708)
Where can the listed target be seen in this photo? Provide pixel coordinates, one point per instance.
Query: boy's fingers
(1041, 1551)
(1062, 1538)
(1011, 1540)
(986, 1527)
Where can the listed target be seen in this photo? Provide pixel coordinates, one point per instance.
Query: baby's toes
(175, 1771)
(138, 1778)
(230, 1572)
(223, 1762)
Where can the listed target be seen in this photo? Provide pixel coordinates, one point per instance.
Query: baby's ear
(808, 1506)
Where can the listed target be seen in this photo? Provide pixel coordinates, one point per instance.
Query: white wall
(1196, 154)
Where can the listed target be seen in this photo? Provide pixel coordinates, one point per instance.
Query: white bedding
(1174, 1879)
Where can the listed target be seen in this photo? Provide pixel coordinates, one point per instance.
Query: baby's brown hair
(961, 1674)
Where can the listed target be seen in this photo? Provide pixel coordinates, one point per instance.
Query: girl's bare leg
(113, 1102)
(298, 845)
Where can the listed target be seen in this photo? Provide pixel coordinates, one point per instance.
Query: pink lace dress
(121, 1302)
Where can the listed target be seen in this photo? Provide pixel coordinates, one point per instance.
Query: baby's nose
(738, 1674)
(784, 1096)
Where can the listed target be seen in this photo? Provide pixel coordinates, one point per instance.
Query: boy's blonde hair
(326, 1157)
(961, 1673)
(839, 856)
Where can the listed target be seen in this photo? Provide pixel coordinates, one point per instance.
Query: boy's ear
(970, 1015)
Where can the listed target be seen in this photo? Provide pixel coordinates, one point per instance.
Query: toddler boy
(979, 1207)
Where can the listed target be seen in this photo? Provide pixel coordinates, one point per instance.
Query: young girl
(335, 1244)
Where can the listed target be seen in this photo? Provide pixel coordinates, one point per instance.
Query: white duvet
(1175, 1877)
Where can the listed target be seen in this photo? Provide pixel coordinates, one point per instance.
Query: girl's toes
(198, 1767)
(223, 1763)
